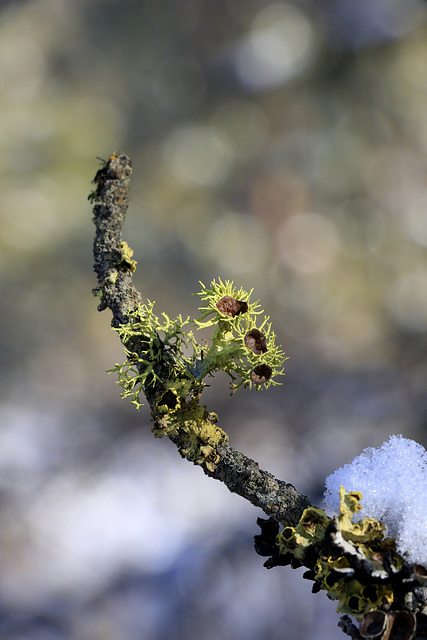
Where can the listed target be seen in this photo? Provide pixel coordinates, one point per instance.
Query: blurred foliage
(283, 145)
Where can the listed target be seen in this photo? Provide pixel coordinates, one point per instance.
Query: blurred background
(279, 144)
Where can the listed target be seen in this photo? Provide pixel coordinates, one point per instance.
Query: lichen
(365, 530)
(110, 278)
(354, 598)
(193, 428)
(123, 259)
(309, 531)
(164, 358)
(338, 546)
(242, 345)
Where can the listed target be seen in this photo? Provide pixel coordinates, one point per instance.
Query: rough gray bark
(239, 473)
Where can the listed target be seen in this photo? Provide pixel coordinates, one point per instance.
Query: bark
(239, 473)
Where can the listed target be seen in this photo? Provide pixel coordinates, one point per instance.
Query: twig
(363, 572)
(116, 291)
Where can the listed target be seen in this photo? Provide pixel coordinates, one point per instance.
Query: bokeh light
(280, 144)
(278, 47)
(308, 242)
(199, 155)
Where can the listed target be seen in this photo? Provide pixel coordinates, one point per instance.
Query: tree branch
(114, 268)
(354, 563)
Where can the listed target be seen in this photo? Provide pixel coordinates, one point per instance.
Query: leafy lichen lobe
(334, 572)
(165, 359)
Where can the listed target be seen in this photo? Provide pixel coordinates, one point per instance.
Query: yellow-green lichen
(97, 292)
(365, 539)
(354, 598)
(309, 531)
(249, 361)
(367, 529)
(124, 260)
(174, 398)
(165, 359)
(110, 278)
(146, 349)
(194, 429)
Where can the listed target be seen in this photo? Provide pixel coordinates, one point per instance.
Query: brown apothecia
(261, 374)
(231, 307)
(255, 341)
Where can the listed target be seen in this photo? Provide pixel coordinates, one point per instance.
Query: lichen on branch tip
(243, 344)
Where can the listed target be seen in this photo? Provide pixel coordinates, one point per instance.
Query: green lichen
(249, 361)
(164, 358)
(97, 292)
(309, 531)
(193, 429)
(333, 572)
(229, 350)
(110, 278)
(94, 196)
(147, 339)
(354, 598)
(365, 530)
(123, 259)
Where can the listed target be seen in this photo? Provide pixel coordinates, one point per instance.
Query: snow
(393, 482)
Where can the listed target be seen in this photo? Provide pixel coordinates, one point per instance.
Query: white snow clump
(393, 482)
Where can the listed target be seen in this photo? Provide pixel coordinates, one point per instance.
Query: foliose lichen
(243, 345)
(165, 360)
(353, 562)
(123, 259)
